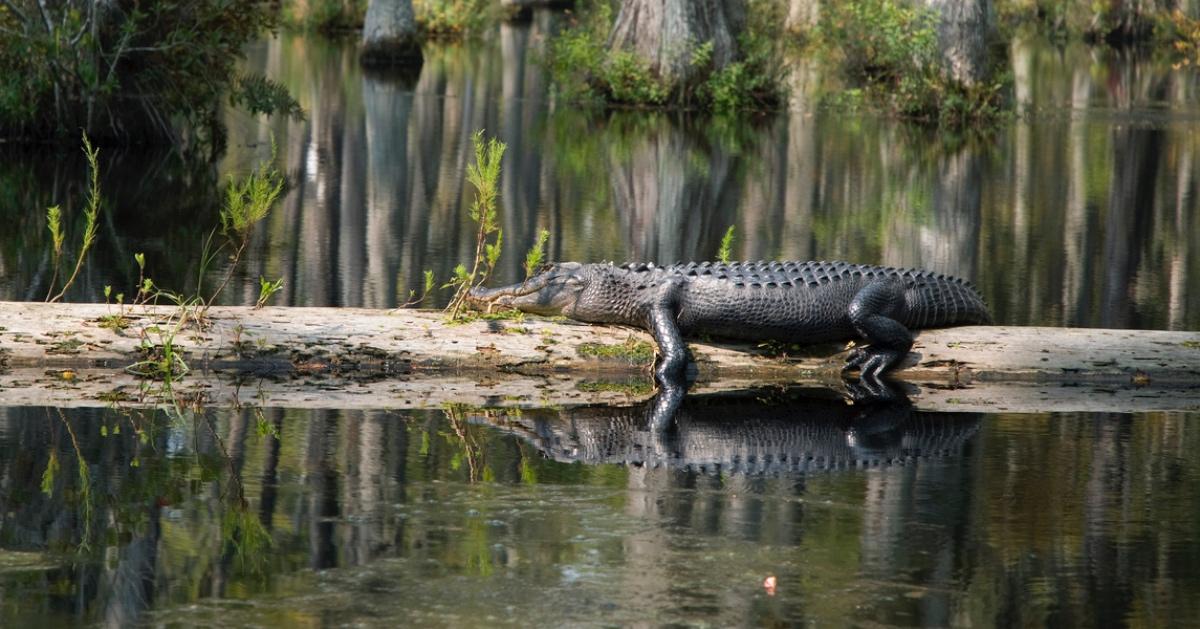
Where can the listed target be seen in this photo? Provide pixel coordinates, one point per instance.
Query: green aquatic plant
(266, 290)
(484, 175)
(91, 214)
(536, 254)
(725, 251)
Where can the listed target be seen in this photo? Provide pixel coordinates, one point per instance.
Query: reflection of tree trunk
(365, 475)
(324, 506)
(670, 195)
(948, 241)
(387, 105)
(131, 590)
(317, 227)
(270, 475)
(1177, 272)
(665, 32)
(801, 165)
(1136, 156)
(519, 185)
(351, 249)
(1075, 302)
(647, 570)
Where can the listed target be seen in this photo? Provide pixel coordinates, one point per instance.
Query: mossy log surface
(79, 354)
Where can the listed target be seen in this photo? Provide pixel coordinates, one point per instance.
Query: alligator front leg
(672, 362)
(872, 312)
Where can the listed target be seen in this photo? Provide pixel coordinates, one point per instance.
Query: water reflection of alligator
(746, 434)
(791, 302)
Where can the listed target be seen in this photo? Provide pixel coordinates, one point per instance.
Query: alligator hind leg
(873, 314)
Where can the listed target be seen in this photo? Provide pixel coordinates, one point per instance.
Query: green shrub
(325, 16)
(753, 83)
(452, 19)
(584, 69)
(888, 52)
(123, 71)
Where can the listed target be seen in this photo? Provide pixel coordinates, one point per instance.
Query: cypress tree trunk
(964, 31)
(390, 34)
(666, 32)
(802, 15)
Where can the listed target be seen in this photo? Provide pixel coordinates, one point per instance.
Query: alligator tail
(939, 300)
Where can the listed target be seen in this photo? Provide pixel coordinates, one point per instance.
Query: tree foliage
(123, 71)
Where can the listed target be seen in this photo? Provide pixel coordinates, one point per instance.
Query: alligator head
(555, 290)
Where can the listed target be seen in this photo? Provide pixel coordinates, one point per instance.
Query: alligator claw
(857, 357)
(872, 390)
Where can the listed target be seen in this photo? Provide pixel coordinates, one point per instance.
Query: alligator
(789, 302)
(747, 433)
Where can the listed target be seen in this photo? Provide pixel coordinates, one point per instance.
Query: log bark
(390, 34)
(59, 354)
(666, 32)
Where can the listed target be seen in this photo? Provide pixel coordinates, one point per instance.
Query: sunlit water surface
(1081, 211)
(461, 518)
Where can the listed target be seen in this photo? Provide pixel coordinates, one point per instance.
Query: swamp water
(1082, 212)
(464, 518)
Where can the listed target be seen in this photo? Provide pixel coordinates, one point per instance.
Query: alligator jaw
(486, 299)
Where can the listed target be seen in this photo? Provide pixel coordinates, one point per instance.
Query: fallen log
(70, 354)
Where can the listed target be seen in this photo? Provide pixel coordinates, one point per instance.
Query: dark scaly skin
(789, 302)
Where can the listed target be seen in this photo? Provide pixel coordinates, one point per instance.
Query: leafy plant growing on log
(266, 290)
(484, 175)
(429, 285)
(536, 254)
(90, 216)
(247, 203)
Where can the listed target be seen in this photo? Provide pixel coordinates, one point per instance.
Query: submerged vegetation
(126, 72)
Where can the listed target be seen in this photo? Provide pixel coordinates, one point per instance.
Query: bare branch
(46, 17)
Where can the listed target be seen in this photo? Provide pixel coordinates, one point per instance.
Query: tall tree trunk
(964, 30)
(390, 34)
(666, 32)
(802, 16)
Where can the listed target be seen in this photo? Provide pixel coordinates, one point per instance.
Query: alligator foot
(869, 389)
(873, 362)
